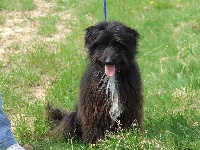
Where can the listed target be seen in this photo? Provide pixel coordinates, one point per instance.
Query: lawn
(42, 58)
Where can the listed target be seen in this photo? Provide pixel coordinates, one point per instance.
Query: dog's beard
(113, 94)
(108, 68)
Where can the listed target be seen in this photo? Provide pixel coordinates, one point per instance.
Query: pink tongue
(109, 70)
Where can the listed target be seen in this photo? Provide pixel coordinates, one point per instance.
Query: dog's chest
(110, 87)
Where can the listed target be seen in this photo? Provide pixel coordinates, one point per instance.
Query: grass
(48, 25)
(168, 58)
(17, 5)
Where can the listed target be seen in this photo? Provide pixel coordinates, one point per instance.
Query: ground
(21, 29)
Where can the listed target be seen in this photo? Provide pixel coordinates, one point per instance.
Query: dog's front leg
(93, 133)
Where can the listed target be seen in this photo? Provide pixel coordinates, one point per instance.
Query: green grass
(17, 4)
(48, 25)
(168, 58)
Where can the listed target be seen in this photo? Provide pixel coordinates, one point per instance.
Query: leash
(105, 11)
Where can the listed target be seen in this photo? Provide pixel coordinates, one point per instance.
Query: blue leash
(105, 12)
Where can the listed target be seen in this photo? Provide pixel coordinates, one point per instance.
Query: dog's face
(111, 45)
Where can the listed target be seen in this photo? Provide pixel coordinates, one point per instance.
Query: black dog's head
(111, 45)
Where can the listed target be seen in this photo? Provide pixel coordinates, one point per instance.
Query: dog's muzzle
(109, 65)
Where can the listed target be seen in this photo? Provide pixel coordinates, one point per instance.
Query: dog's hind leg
(63, 123)
(67, 127)
(54, 115)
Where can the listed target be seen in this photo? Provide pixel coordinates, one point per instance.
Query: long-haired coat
(110, 93)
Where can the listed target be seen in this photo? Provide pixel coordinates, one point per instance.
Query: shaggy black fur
(110, 44)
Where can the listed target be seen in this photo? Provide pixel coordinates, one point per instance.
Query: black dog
(110, 91)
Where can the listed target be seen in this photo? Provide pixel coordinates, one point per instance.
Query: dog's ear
(132, 33)
(132, 37)
(90, 31)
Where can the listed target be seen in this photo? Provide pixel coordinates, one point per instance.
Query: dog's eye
(98, 46)
(118, 45)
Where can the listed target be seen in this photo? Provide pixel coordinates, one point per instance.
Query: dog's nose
(109, 61)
